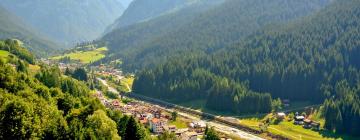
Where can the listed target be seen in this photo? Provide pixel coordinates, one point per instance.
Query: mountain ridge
(67, 22)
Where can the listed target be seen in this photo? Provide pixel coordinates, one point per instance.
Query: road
(111, 89)
(217, 126)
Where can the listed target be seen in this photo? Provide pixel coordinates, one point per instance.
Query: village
(156, 119)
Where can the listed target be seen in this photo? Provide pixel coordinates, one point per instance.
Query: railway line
(246, 132)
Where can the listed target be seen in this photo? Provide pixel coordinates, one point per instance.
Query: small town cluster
(155, 118)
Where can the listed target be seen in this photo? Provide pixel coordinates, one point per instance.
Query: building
(307, 124)
(144, 121)
(188, 136)
(198, 126)
(157, 114)
(315, 125)
(280, 115)
(170, 128)
(299, 120)
(157, 125)
(179, 132)
(116, 103)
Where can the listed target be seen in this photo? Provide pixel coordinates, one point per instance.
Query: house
(179, 132)
(170, 128)
(315, 125)
(157, 114)
(143, 121)
(280, 115)
(299, 120)
(307, 124)
(157, 125)
(116, 103)
(149, 116)
(188, 136)
(198, 126)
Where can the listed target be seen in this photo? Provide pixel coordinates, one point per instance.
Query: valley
(180, 69)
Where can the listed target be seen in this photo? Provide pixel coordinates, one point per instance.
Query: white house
(157, 125)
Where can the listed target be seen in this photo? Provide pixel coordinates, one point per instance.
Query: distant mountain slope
(125, 3)
(142, 10)
(128, 37)
(13, 27)
(209, 30)
(67, 21)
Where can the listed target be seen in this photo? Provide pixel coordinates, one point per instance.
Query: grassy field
(285, 128)
(129, 81)
(288, 129)
(179, 123)
(86, 56)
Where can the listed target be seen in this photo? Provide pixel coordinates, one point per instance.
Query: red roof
(143, 121)
(116, 103)
(155, 120)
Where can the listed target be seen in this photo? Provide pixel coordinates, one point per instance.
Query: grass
(85, 57)
(4, 54)
(284, 128)
(195, 104)
(129, 81)
(292, 131)
(179, 123)
(201, 106)
(288, 129)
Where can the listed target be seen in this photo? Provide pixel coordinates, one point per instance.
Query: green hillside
(205, 30)
(45, 104)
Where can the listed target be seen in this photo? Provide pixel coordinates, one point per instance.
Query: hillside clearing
(85, 57)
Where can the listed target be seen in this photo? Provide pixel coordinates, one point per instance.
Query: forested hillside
(313, 58)
(142, 10)
(14, 27)
(134, 35)
(44, 104)
(67, 21)
(207, 31)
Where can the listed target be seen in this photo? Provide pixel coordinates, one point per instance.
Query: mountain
(13, 27)
(67, 21)
(140, 33)
(314, 58)
(208, 30)
(143, 10)
(125, 3)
